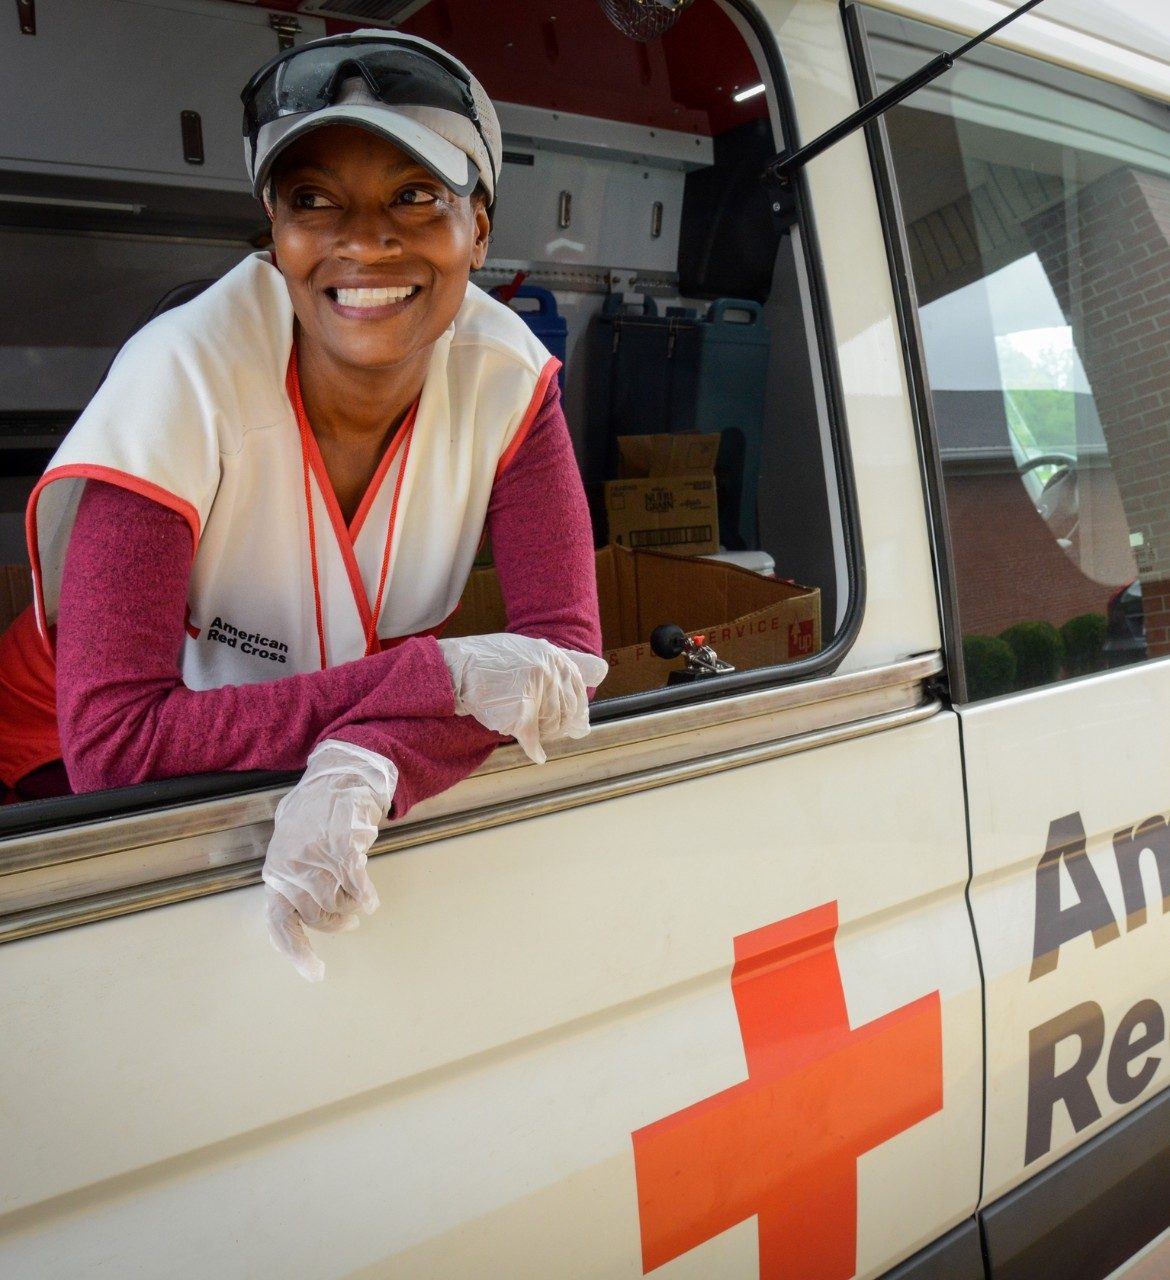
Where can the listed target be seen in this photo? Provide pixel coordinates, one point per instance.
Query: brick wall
(1008, 566)
(1108, 258)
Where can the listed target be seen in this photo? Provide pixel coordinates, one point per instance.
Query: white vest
(195, 414)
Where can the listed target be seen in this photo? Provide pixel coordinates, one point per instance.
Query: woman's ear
(483, 231)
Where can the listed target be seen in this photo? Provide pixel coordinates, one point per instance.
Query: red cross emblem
(783, 1144)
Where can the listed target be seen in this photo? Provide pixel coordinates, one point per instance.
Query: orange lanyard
(310, 454)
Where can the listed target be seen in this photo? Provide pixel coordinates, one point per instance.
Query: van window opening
(630, 193)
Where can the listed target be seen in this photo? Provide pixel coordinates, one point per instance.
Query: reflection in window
(1037, 208)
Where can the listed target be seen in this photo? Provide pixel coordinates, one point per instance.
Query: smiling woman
(294, 471)
(376, 252)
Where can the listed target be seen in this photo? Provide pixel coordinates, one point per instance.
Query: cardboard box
(664, 497)
(749, 620)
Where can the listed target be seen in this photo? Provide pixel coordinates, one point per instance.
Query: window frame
(913, 351)
(96, 870)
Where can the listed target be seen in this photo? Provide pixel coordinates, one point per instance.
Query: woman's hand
(315, 868)
(524, 688)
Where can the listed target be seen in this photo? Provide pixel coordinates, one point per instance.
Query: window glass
(1036, 202)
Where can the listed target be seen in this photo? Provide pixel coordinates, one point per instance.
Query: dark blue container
(544, 320)
(679, 373)
(721, 371)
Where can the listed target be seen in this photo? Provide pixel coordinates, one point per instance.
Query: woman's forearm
(125, 715)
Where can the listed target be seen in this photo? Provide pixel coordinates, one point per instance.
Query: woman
(287, 480)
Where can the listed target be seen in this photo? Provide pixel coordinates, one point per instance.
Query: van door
(1034, 204)
(721, 1012)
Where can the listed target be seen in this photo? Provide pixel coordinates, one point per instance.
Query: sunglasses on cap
(309, 77)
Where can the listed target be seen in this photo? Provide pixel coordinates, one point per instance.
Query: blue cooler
(721, 372)
(544, 320)
(680, 373)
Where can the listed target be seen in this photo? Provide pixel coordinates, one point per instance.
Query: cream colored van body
(742, 986)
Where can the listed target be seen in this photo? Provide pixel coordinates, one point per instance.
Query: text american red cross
(783, 1145)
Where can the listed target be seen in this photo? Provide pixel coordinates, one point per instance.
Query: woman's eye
(309, 200)
(416, 195)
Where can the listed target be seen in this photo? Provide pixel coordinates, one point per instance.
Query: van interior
(632, 229)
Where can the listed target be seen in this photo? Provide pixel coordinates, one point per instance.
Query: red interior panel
(570, 57)
(565, 55)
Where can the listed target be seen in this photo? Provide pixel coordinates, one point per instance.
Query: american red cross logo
(783, 1145)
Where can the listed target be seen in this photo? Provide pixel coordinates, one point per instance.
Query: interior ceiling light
(744, 94)
(644, 19)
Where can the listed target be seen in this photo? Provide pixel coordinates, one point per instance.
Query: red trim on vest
(311, 454)
(346, 537)
(391, 524)
(401, 436)
(108, 475)
(292, 385)
(530, 415)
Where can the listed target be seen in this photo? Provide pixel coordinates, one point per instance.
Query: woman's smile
(365, 296)
(371, 302)
(376, 252)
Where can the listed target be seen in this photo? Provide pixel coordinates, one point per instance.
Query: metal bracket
(622, 280)
(781, 194)
(287, 29)
(26, 11)
(670, 641)
(576, 277)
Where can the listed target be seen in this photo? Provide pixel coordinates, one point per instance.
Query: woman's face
(375, 250)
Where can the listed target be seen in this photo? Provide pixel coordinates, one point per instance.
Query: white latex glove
(526, 689)
(315, 868)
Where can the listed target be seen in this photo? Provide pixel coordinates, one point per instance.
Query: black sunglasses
(308, 77)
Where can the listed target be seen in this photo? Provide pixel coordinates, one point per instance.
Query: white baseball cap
(402, 87)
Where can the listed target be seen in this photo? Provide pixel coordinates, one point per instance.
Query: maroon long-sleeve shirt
(125, 715)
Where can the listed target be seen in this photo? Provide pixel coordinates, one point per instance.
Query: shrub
(1039, 652)
(1084, 640)
(990, 665)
